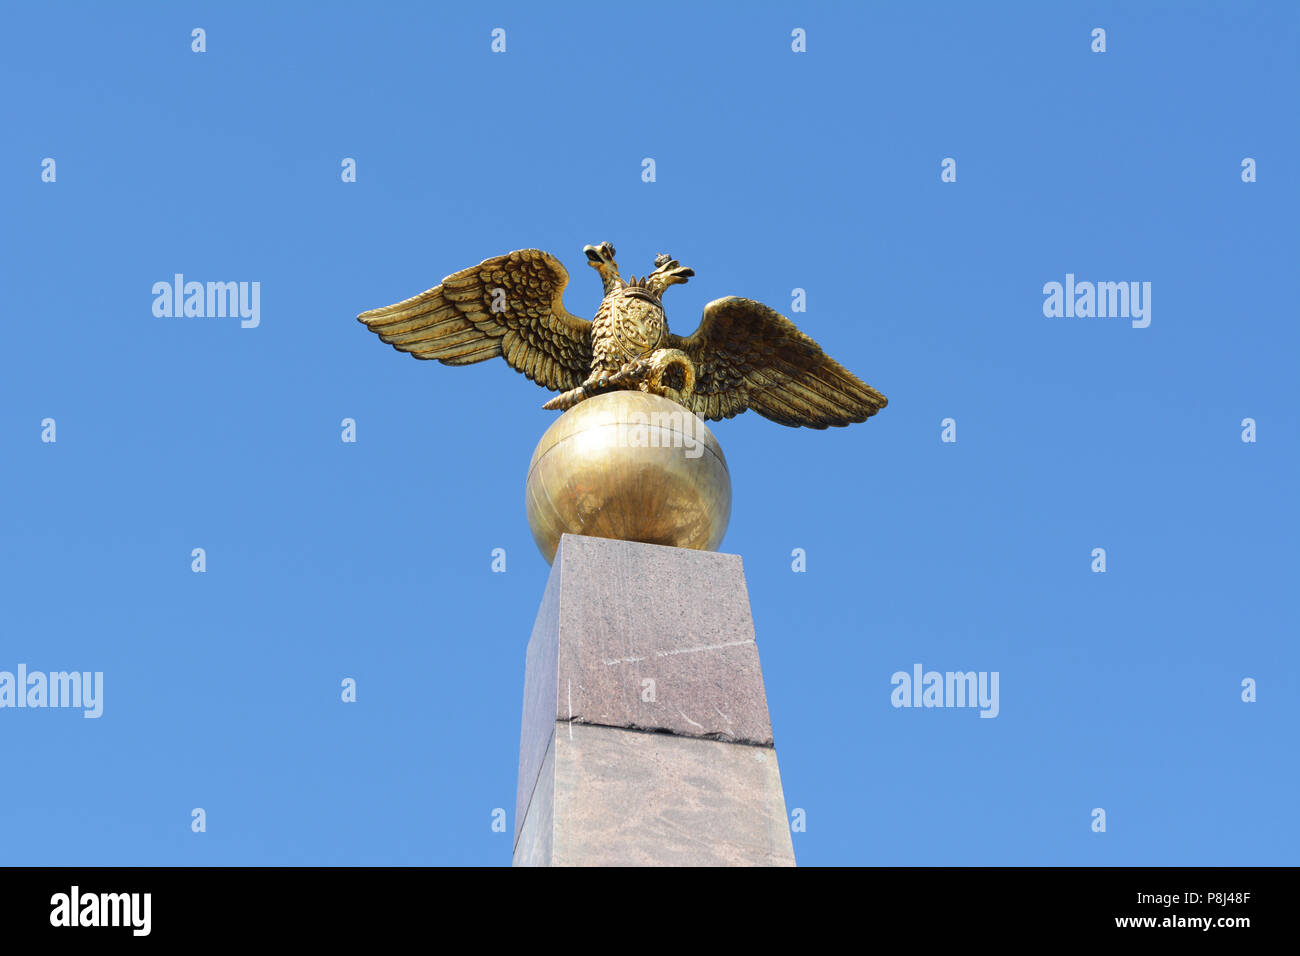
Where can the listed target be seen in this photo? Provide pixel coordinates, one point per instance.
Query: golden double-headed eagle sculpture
(743, 355)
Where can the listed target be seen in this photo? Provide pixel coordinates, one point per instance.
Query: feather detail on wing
(749, 356)
(509, 306)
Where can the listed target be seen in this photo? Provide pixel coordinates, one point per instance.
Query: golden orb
(632, 466)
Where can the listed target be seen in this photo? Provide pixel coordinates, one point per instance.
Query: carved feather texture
(747, 355)
(465, 319)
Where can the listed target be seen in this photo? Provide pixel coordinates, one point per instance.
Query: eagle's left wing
(749, 356)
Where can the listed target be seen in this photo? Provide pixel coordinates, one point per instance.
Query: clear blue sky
(775, 170)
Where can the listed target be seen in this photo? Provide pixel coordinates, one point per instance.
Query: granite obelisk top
(646, 738)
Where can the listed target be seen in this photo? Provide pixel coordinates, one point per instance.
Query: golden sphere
(632, 466)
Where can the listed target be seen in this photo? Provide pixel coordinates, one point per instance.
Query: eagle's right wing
(509, 306)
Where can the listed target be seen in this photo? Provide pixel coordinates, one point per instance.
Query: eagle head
(600, 257)
(668, 272)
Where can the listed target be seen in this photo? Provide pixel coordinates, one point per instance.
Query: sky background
(775, 171)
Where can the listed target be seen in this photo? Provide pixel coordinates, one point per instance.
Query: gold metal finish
(629, 465)
(743, 355)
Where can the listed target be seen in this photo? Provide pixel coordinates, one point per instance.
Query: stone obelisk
(646, 738)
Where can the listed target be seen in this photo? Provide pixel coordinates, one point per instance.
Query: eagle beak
(601, 255)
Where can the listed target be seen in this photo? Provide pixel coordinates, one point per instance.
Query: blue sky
(775, 171)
